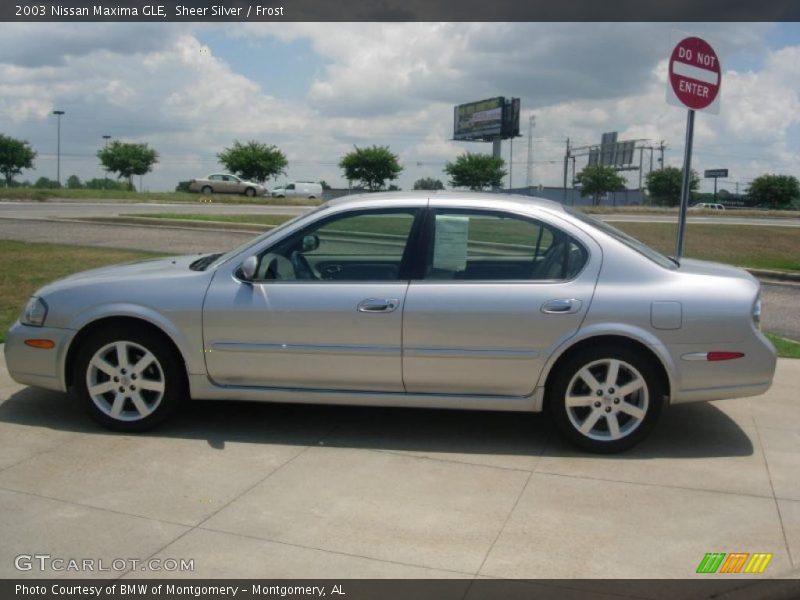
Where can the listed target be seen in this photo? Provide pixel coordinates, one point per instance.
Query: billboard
(611, 153)
(486, 119)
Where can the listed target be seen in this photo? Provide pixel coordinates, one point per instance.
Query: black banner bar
(397, 10)
(727, 588)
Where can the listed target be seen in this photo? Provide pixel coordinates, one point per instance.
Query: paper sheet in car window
(450, 245)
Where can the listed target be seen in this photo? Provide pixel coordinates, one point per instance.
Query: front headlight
(35, 312)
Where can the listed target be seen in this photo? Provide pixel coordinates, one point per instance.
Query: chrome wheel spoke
(122, 355)
(591, 421)
(589, 379)
(143, 363)
(613, 426)
(630, 409)
(613, 373)
(153, 386)
(102, 388)
(140, 404)
(630, 387)
(573, 400)
(101, 364)
(116, 408)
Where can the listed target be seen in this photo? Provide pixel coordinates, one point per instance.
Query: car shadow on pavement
(686, 431)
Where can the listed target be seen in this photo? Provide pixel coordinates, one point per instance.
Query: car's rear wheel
(206, 190)
(250, 192)
(129, 379)
(606, 399)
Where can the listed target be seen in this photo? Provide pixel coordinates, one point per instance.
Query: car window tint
(367, 246)
(491, 247)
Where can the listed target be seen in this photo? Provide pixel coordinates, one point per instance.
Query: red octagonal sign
(694, 73)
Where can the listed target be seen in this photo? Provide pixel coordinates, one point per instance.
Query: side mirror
(249, 267)
(310, 242)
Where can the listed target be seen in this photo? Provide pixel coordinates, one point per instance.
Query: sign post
(716, 174)
(693, 82)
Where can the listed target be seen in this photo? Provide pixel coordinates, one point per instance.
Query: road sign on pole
(693, 82)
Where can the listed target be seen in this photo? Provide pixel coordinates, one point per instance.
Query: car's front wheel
(129, 379)
(206, 190)
(606, 399)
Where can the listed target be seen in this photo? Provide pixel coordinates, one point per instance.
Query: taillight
(715, 356)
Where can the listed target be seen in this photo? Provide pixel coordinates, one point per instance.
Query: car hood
(146, 269)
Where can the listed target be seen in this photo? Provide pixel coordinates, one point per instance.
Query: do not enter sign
(695, 76)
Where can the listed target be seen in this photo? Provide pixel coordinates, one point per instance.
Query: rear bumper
(34, 366)
(702, 380)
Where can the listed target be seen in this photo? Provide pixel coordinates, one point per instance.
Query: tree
(74, 183)
(15, 155)
(104, 184)
(325, 185)
(394, 188)
(371, 166)
(127, 159)
(664, 185)
(476, 171)
(774, 191)
(598, 180)
(254, 161)
(428, 183)
(46, 183)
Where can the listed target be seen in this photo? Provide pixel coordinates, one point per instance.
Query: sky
(317, 89)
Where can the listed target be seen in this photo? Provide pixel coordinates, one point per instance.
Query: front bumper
(35, 366)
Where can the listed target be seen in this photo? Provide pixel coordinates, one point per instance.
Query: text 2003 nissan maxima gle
(431, 300)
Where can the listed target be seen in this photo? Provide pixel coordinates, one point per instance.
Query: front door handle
(376, 305)
(562, 306)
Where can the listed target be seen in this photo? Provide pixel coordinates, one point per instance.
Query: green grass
(129, 196)
(786, 348)
(25, 267)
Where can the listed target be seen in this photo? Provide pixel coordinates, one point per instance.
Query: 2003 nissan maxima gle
(444, 300)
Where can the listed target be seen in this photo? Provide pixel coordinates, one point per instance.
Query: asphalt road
(781, 313)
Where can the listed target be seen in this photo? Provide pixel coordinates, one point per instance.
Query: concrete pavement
(279, 491)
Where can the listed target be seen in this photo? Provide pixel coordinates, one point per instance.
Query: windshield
(257, 240)
(623, 237)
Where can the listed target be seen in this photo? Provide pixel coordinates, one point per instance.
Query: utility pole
(529, 170)
(511, 162)
(566, 167)
(58, 114)
(641, 155)
(661, 149)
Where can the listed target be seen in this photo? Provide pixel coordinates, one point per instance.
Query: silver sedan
(441, 300)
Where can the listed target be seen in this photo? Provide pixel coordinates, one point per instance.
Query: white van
(301, 189)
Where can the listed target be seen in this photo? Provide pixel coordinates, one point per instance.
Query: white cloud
(392, 84)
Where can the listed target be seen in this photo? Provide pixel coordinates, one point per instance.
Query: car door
(323, 311)
(497, 294)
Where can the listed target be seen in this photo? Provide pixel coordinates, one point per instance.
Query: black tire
(167, 371)
(607, 415)
(249, 192)
(207, 190)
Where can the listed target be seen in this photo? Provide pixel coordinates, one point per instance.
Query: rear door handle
(562, 306)
(375, 305)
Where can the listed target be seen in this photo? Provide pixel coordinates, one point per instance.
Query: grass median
(43, 195)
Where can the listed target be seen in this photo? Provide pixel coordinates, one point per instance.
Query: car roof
(447, 198)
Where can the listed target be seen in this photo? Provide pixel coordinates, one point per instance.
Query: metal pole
(641, 155)
(497, 146)
(566, 166)
(511, 163)
(715, 189)
(529, 170)
(685, 181)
